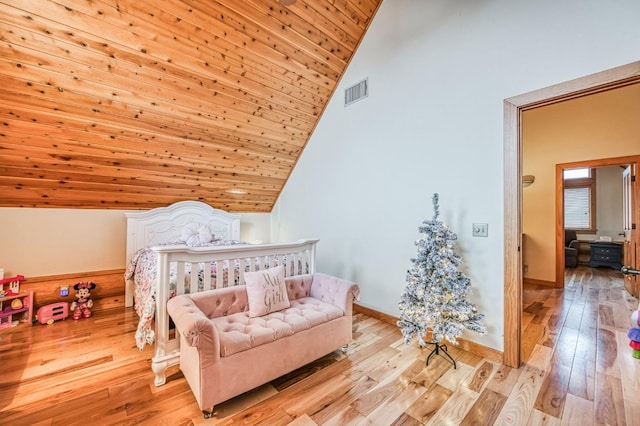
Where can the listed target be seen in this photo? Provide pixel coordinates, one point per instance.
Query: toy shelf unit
(15, 305)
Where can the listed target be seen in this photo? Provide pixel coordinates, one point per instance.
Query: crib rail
(229, 264)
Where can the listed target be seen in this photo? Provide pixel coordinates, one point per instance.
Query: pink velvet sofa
(224, 352)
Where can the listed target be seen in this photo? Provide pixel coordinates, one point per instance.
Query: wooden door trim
(630, 251)
(513, 108)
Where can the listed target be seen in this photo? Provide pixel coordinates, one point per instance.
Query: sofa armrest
(198, 330)
(337, 291)
(575, 244)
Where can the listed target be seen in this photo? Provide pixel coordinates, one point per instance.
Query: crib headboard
(162, 224)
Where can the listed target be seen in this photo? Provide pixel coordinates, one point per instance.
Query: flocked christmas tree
(435, 296)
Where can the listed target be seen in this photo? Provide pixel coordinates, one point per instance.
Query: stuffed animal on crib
(81, 307)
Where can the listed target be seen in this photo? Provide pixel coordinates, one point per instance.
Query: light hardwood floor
(580, 371)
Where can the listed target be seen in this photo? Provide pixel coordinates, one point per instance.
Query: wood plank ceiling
(134, 104)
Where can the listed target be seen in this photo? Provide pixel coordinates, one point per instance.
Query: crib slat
(219, 273)
(242, 267)
(231, 273)
(304, 262)
(195, 271)
(207, 275)
(180, 277)
(284, 261)
(295, 267)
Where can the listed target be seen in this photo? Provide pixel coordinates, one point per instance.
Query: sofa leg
(344, 349)
(207, 414)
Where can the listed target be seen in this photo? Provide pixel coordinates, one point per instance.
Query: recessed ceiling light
(236, 191)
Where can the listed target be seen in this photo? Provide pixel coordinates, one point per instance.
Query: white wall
(438, 72)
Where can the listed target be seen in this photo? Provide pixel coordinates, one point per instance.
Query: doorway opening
(513, 108)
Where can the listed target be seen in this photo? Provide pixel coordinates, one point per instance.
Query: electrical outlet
(526, 268)
(480, 229)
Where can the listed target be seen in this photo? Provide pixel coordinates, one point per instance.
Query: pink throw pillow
(266, 291)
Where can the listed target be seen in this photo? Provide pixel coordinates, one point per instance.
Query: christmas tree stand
(442, 351)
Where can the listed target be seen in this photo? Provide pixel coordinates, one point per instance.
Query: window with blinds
(579, 200)
(577, 211)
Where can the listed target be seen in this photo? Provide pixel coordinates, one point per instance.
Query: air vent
(356, 92)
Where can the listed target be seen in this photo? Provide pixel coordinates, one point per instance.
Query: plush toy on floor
(81, 307)
(634, 334)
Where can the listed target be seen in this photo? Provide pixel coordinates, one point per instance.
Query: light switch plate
(480, 229)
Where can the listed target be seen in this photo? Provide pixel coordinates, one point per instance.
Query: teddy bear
(81, 307)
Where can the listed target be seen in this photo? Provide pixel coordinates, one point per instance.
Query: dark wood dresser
(606, 254)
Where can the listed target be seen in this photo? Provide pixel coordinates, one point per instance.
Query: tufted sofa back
(221, 302)
(227, 301)
(298, 286)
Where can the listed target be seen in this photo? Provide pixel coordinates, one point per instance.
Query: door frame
(631, 198)
(513, 107)
(559, 190)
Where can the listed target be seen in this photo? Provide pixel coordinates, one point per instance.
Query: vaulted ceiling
(134, 104)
